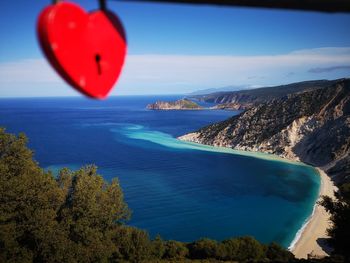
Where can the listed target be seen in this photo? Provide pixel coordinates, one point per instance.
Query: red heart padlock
(86, 49)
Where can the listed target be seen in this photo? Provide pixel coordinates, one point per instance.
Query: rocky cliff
(248, 98)
(311, 126)
(183, 104)
(231, 106)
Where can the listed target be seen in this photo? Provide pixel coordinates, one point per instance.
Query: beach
(316, 228)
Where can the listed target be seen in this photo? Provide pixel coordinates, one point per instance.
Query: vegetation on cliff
(183, 104)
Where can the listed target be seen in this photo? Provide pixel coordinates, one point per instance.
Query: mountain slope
(260, 95)
(216, 90)
(312, 126)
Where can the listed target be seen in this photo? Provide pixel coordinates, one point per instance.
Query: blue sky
(176, 49)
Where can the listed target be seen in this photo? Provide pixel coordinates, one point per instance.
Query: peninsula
(183, 104)
(311, 126)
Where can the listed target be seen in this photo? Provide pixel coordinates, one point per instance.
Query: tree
(229, 249)
(91, 210)
(276, 253)
(43, 219)
(133, 245)
(340, 216)
(175, 250)
(243, 249)
(203, 249)
(158, 247)
(29, 201)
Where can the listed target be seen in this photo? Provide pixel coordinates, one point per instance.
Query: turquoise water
(181, 190)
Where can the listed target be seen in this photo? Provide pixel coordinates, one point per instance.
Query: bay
(179, 190)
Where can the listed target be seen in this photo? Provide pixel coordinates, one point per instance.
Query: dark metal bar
(103, 5)
(307, 5)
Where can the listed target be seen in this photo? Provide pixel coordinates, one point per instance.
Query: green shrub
(203, 249)
(158, 247)
(175, 250)
(276, 253)
(242, 249)
(133, 245)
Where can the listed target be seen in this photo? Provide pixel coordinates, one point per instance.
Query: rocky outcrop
(186, 104)
(183, 104)
(311, 126)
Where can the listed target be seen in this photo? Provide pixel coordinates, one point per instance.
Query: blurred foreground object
(86, 49)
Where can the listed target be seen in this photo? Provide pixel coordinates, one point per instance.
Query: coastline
(316, 226)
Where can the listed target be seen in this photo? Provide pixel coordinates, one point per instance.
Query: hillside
(311, 126)
(183, 104)
(216, 90)
(247, 98)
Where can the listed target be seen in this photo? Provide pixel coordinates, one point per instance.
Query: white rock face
(190, 137)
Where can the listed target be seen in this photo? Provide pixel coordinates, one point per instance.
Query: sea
(182, 191)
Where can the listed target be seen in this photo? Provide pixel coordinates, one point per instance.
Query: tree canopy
(72, 217)
(340, 217)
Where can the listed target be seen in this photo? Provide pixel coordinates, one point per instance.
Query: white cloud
(183, 73)
(27, 71)
(191, 72)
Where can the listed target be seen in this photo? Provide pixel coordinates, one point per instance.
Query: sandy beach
(317, 225)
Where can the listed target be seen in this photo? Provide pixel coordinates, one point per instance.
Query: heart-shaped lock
(87, 49)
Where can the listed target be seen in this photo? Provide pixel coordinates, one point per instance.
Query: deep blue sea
(180, 190)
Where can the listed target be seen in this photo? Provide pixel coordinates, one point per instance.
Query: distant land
(249, 97)
(187, 104)
(183, 104)
(239, 99)
(215, 90)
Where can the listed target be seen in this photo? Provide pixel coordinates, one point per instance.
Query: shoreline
(305, 242)
(315, 226)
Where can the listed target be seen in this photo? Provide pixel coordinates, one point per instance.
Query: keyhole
(98, 60)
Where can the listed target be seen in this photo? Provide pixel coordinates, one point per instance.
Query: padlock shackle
(103, 5)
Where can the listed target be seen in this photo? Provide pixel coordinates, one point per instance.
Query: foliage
(46, 219)
(188, 104)
(133, 245)
(204, 248)
(158, 247)
(175, 250)
(340, 216)
(243, 248)
(276, 253)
